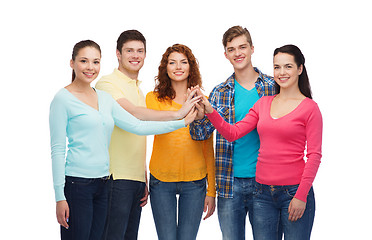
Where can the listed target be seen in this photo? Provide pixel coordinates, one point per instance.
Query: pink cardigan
(283, 142)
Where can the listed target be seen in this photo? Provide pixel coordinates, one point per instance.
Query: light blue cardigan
(88, 132)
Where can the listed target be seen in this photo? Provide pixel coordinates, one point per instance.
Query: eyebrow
(134, 48)
(245, 44)
(185, 59)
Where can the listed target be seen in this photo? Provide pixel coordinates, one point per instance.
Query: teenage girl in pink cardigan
(289, 124)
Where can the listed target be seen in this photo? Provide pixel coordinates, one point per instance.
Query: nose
(238, 52)
(90, 65)
(178, 65)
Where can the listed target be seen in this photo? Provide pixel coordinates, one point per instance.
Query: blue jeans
(124, 210)
(164, 208)
(87, 199)
(271, 210)
(232, 212)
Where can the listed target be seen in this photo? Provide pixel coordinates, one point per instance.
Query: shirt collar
(230, 81)
(126, 78)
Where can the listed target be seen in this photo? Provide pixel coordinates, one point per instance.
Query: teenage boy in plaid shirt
(235, 161)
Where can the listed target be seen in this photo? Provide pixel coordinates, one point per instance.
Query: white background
(37, 38)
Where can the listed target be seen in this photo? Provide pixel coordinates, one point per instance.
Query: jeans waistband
(104, 178)
(273, 188)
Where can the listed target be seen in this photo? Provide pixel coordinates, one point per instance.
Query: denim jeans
(270, 207)
(124, 210)
(87, 199)
(232, 212)
(164, 208)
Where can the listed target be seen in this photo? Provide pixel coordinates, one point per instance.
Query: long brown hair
(80, 45)
(303, 80)
(163, 86)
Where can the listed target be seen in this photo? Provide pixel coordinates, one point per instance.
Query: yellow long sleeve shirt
(176, 157)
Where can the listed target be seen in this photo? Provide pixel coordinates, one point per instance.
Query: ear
(118, 55)
(252, 49)
(300, 68)
(225, 54)
(72, 64)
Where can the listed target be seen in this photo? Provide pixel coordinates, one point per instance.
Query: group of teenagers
(266, 155)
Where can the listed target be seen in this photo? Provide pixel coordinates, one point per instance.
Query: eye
(185, 62)
(83, 61)
(96, 62)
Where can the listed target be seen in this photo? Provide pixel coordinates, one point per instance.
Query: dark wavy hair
(80, 45)
(163, 86)
(303, 80)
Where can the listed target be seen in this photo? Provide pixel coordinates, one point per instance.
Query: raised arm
(228, 131)
(129, 123)
(144, 113)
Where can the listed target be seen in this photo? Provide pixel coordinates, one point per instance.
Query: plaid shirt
(222, 99)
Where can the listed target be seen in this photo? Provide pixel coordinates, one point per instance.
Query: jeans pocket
(291, 190)
(154, 181)
(199, 183)
(79, 181)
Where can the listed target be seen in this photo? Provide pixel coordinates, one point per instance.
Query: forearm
(201, 129)
(146, 114)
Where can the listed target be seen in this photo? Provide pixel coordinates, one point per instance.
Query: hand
(145, 197)
(200, 109)
(204, 101)
(63, 213)
(296, 209)
(191, 100)
(190, 117)
(209, 205)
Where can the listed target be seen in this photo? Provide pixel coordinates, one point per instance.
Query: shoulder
(264, 100)
(311, 106)
(60, 96)
(103, 94)
(225, 86)
(151, 95)
(265, 77)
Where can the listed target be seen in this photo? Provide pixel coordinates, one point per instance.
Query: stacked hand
(200, 104)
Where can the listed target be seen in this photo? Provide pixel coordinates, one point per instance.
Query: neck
(80, 86)
(181, 89)
(290, 93)
(246, 77)
(130, 74)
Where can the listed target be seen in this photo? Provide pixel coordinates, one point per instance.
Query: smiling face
(239, 52)
(286, 71)
(178, 67)
(131, 58)
(86, 65)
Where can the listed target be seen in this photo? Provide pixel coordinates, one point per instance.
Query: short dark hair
(129, 35)
(234, 32)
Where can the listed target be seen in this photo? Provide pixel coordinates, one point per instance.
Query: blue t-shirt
(246, 148)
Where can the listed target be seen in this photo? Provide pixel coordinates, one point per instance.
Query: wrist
(177, 115)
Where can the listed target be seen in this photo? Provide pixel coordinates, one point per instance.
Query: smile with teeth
(89, 74)
(239, 59)
(134, 62)
(283, 79)
(178, 73)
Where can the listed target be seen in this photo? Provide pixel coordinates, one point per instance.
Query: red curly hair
(163, 86)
